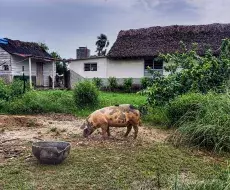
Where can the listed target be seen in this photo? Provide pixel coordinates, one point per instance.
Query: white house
(136, 49)
(16, 56)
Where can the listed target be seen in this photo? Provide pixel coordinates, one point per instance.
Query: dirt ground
(16, 132)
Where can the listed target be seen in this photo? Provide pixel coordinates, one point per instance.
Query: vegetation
(145, 82)
(61, 67)
(220, 182)
(101, 43)
(206, 123)
(13, 90)
(98, 82)
(198, 74)
(86, 94)
(133, 166)
(128, 82)
(113, 85)
(61, 101)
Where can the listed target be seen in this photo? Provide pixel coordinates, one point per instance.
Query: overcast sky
(64, 25)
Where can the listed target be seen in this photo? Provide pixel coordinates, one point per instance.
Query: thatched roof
(25, 49)
(149, 42)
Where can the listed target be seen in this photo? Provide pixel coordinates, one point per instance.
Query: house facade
(17, 57)
(137, 49)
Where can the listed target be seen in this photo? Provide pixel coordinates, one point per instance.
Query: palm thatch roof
(149, 42)
(24, 49)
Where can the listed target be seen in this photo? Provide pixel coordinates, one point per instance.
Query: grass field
(128, 166)
(62, 102)
(146, 163)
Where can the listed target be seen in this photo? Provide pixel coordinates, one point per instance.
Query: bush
(113, 85)
(146, 82)
(12, 90)
(86, 94)
(156, 116)
(190, 72)
(128, 82)
(4, 91)
(98, 82)
(34, 102)
(187, 104)
(16, 88)
(208, 125)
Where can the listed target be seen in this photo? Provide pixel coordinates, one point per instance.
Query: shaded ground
(117, 163)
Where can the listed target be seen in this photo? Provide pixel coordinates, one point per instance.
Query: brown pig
(124, 115)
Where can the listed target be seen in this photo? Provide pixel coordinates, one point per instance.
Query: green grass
(109, 167)
(62, 102)
(205, 120)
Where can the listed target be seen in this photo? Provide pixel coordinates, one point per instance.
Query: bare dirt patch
(16, 132)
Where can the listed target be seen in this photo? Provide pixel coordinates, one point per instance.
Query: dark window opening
(87, 67)
(94, 67)
(90, 67)
(158, 64)
(6, 67)
(154, 65)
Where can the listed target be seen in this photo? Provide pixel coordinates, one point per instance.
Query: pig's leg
(135, 127)
(129, 127)
(108, 132)
(104, 129)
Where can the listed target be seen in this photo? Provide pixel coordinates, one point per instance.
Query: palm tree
(101, 43)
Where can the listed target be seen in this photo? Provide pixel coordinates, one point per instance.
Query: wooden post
(30, 75)
(53, 74)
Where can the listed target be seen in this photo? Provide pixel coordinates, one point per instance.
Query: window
(5, 67)
(154, 65)
(90, 67)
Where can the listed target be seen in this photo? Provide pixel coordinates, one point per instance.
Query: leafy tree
(101, 43)
(196, 74)
(43, 46)
(61, 66)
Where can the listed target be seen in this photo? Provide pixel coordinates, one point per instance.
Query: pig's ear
(83, 126)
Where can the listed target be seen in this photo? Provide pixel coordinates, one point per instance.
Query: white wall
(78, 67)
(125, 68)
(4, 57)
(111, 68)
(17, 68)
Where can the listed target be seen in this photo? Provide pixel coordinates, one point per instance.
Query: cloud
(66, 24)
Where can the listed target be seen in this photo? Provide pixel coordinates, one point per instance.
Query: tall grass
(59, 101)
(205, 122)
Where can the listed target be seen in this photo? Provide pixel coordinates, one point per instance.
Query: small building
(83, 53)
(137, 49)
(17, 57)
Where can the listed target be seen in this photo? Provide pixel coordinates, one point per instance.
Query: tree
(43, 46)
(196, 74)
(101, 43)
(61, 66)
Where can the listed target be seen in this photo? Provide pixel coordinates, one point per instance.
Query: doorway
(39, 74)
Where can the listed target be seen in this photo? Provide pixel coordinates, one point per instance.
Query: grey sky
(64, 25)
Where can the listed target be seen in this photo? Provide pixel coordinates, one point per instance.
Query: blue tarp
(3, 41)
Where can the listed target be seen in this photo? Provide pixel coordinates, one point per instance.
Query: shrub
(4, 90)
(98, 82)
(86, 94)
(187, 104)
(208, 126)
(156, 116)
(34, 102)
(113, 85)
(190, 72)
(146, 82)
(17, 87)
(128, 82)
